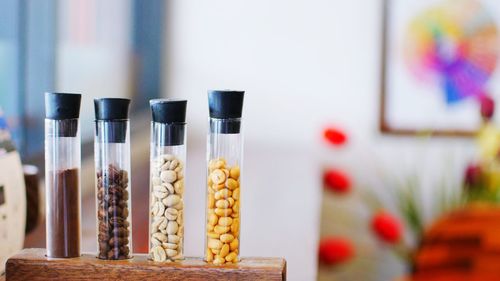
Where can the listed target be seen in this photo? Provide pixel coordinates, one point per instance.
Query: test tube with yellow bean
(225, 145)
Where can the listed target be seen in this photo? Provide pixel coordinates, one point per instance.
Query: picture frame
(409, 107)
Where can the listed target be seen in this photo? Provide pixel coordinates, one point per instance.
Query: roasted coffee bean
(114, 254)
(100, 194)
(103, 236)
(103, 228)
(115, 191)
(114, 210)
(125, 195)
(125, 212)
(103, 246)
(115, 201)
(118, 231)
(101, 214)
(117, 221)
(125, 250)
(113, 213)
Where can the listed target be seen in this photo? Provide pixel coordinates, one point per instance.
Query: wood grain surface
(32, 264)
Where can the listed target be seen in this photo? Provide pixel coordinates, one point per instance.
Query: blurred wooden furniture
(32, 264)
(463, 245)
(33, 207)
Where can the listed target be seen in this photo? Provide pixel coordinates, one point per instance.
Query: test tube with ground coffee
(168, 164)
(62, 174)
(112, 163)
(225, 147)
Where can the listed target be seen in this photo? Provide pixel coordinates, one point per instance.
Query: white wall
(303, 64)
(93, 52)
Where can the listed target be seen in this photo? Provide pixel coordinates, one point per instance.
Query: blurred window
(98, 48)
(10, 65)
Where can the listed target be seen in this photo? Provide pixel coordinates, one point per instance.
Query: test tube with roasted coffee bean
(112, 163)
(62, 174)
(168, 164)
(225, 147)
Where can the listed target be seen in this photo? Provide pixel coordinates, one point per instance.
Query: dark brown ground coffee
(63, 214)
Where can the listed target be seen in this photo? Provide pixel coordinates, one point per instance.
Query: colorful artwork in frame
(439, 59)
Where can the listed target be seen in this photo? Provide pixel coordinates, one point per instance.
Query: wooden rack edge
(32, 264)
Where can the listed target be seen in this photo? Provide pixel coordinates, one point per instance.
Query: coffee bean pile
(223, 213)
(167, 208)
(112, 213)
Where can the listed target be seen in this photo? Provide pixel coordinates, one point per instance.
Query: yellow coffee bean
(218, 261)
(225, 221)
(213, 235)
(231, 201)
(211, 190)
(210, 227)
(212, 219)
(235, 172)
(224, 251)
(223, 212)
(236, 207)
(226, 238)
(235, 226)
(231, 184)
(218, 176)
(209, 256)
(220, 163)
(211, 164)
(234, 244)
(231, 256)
(222, 203)
(214, 244)
(211, 200)
(217, 187)
(223, 194)
(236, 194)
(221, 229)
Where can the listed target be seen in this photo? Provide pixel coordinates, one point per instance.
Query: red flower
(335, 250)
(335, 136)
(487, 107)
(387, 227)
(337, 181)
(472, 176)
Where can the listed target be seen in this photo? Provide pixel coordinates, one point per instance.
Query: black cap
(111, 108)
(168, 110)
(172, 113)
(59, 106)
(225, 104)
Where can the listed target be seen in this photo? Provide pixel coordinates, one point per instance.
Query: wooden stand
(32, 264)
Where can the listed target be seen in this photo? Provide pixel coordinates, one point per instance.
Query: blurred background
(371, 145)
